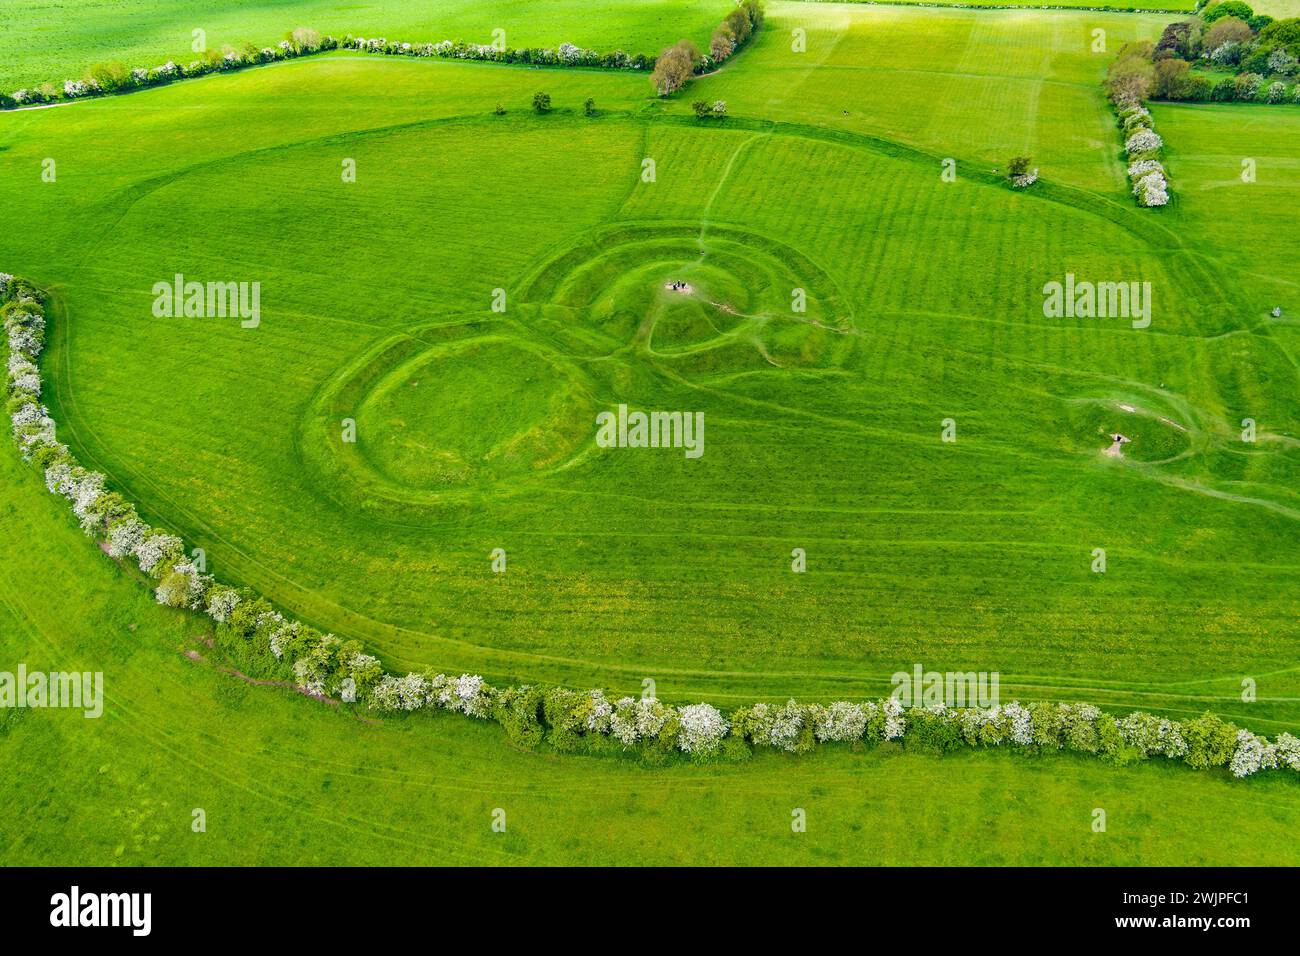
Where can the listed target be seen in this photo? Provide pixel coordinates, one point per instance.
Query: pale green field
(977, 86)
(822, 433)
(1278, 9)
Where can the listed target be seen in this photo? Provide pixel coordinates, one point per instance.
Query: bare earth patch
(1116, 449)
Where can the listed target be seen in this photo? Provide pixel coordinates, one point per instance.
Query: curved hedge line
(261, 639)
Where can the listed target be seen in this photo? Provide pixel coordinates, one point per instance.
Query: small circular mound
(1120, 429)
(477, 410)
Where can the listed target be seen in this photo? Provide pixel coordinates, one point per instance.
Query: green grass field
(1122, 5)
(46, 42)
(285, 780)
(823, 432)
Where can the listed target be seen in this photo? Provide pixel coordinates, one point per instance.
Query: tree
(723, 43)
(739, 24)
(1284, 32)
(1229, 8)
(1018, 166)
(701, 108)
(1226, 30)
(542, 102)
(674, 67)
(1170, 76)
(1180, 40)
(1131, 77)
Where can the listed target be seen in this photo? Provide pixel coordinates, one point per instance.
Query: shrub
(1252, 754)
(157, 550)
(1283, 33)
(1111, 743)
(1282, 62)
(840, 721)
(1142, 167)
(1143, 141)
(518, 710)
(636, 720)
(181, 586)
(304, 40)
(1210, 741)
(931, 731)
(221, 603)
(1194, 87)
(1276, 93)
(109, 77)
(400, 693)
(1247, 86)
(1079, 727)
(701, 729)
(564, 717)
(1225, 90)
(589, 107)
(1151, 189)
(126, 535)
(1133, 120)
(541, 102)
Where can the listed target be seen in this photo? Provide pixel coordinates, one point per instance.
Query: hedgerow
(258, 637)
(111, 78)
(1128, 82)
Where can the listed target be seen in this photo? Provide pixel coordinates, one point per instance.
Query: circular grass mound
(1097, 426)
(709, 296)
(477, 410)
